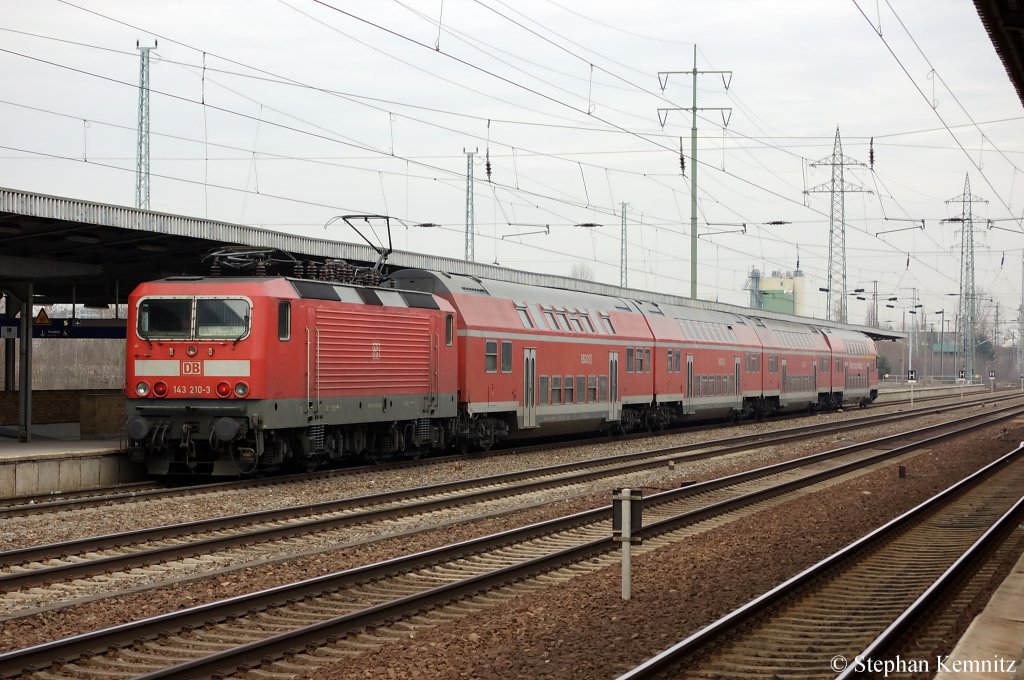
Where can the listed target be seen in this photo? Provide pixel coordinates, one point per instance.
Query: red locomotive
(230, 375)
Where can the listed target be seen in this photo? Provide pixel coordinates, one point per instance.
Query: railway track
(19, 506)
(847, 613)
(267, 628)
(237, 539)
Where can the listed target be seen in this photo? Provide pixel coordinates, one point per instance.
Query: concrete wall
(73, 364)
(27, 476)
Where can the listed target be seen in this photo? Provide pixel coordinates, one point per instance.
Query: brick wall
(48, 406)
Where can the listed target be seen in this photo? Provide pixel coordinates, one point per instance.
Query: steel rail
(14, 662)
(691, 644)
(20, 506)
(585, 471)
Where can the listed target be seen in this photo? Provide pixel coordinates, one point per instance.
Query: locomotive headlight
(223, 390)
(160, 389)
(142, 388)
(241, 390)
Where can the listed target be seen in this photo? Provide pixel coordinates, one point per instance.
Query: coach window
(556, 389)
(678, 359)
(491, 356)
(284, 320)
(647, 359)
(550, 318)
(524, 316)
(565, 321)
(588, 323)
(543, 390)
(581, 388)
(592, 388)
(506, 356)
(629, 360)
(639, 360)
(576, 325)
(568, 386)
(449, 330)
(606, 323)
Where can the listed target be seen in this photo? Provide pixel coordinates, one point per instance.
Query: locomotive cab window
(284, 320)
(193, 318)
(449, 330)
(221, 319)
(167, 318)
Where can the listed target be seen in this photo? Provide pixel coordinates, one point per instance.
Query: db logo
(375, 351)
(191, 368)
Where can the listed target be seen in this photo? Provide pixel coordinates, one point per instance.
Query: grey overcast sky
(285, 113)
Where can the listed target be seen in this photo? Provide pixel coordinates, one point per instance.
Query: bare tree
(582, 272)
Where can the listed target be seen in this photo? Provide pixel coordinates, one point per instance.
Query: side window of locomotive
(449, 330)
(506, 356)
(284, 320)
(221, 319)
(165, 318)
(491, 356)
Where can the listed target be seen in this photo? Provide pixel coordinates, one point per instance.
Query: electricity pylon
(838, 189)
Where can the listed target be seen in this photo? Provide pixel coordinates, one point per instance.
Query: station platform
(58, 459)
(993, 646)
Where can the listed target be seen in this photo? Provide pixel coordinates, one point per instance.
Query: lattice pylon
(838, 188)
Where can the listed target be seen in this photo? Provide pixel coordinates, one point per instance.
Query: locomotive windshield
(193, 318)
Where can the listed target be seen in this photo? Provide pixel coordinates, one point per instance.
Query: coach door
(614, 402)
(737, 390)
(688, 401)
(783, 386)
(529, 388)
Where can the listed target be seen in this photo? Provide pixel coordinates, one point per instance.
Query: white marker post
(627, 519)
